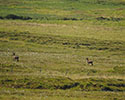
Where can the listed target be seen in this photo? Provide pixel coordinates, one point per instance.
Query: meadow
(53, 38)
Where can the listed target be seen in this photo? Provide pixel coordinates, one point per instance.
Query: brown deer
(89, 62)
(16, 58)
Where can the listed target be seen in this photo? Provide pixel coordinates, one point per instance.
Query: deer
(16, 58)
(89, 61)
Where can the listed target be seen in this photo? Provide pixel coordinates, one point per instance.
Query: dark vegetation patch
(64, 83)
(102, 84)
(55, 17)
(104, 2)
(41, 17)
(14, 17)
(71, 18)
(70, 42)
(109, 19)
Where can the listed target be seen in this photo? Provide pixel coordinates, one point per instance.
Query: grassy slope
(53, 50)
(63, 8)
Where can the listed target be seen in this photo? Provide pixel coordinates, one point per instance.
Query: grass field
(53, 38)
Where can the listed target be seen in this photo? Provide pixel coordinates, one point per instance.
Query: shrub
(12, 16)
(1, 17)
(109, 19)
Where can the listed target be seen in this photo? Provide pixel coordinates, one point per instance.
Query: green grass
(53, 47)
(21, 94)
(51, 58)
(56, 9)
(63, 83)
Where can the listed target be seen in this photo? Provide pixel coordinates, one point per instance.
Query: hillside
(52, 39)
